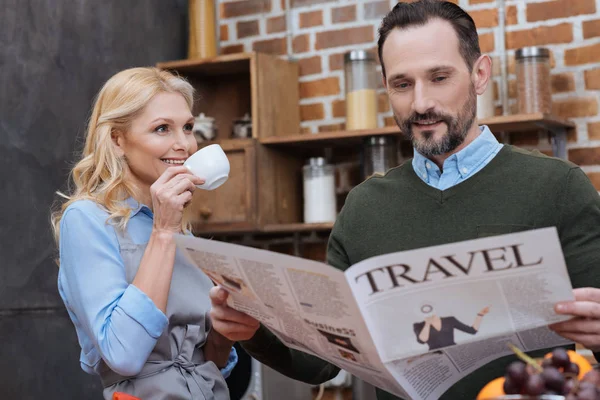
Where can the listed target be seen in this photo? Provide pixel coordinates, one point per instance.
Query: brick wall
(322, 30)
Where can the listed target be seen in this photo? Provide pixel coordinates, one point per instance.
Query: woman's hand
(230, 323)
(171, 193)
(584, 327)
(484, 311)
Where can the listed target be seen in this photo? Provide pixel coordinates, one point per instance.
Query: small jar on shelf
(534, 94)
(361, 79)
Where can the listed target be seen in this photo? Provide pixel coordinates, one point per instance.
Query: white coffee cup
(211, 164)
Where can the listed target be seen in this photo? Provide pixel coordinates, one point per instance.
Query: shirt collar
(136, 207)
(464, 161)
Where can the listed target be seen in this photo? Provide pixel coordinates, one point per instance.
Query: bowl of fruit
(560, 375)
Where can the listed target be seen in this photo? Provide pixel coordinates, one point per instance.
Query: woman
(139, 308)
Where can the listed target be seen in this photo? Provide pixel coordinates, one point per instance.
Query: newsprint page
(412, 323)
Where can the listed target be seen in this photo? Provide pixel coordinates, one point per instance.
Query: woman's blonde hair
(100, 174)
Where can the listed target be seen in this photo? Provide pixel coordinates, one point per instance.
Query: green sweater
(518, 190)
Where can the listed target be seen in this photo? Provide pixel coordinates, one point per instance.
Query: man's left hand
(584, 327)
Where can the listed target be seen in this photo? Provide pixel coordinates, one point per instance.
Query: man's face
(429, 86)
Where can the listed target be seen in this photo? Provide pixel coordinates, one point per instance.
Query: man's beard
(458, 128)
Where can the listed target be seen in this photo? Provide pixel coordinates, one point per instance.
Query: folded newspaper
(412, 323)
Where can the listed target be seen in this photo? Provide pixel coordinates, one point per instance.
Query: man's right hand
(232, 324)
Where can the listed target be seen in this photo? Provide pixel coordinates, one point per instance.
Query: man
(461, 184)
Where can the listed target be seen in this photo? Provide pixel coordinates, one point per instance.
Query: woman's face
(160, 137)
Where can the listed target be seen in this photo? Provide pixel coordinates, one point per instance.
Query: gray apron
(176, 368)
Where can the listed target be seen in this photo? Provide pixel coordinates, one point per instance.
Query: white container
(319, 191)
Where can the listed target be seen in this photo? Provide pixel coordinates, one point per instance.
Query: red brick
(389, 121)
(583, 55)
(271, 46)
(564, 82)
(344, 37)
(336, 61)
(481, 1)
(338, 108)
(486, 42)
(486, 18)
(585, 156)
(332, 127)
(301, 43)
(312, 18)
(322, 87)
(559, 9)
(311, 112)
(343, 14)
(383, 103)
(593, 129)
(305, 129)
(276, 24)
(591, 28)
(232, 49)
(309, 66)
(302, 3)
(542, 35)
(376, 9)
(244, 7)
(592, 79)
(595, 178)
(224, 33)
(247, 28)
(511, 15)
(575, 107)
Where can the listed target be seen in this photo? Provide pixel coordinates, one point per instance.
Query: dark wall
(54, 57)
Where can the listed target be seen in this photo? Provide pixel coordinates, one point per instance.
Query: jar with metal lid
(361, 77)
(379, 154)
(319, 191)
(534, 94)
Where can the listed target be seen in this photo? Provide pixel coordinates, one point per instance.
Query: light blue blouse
(113, 318)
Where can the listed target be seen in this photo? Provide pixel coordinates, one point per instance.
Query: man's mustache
(416, 118)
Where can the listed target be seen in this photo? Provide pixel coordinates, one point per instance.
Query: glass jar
(361, 80)
(380, 153)
(319, 191)
(534, 94)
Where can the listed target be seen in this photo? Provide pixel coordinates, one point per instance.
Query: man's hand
(584, 327)
(230, 323)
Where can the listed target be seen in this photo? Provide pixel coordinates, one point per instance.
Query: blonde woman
(140, 310)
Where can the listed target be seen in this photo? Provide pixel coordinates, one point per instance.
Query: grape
(587, 394)
(572, 368)
(560, 358)
(510, 387)
(593, 377)
(569, 386)
(554, 379)
(535, 385)
(517, 372)
(547, 362)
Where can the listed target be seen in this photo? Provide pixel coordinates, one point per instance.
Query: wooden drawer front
(235, 201)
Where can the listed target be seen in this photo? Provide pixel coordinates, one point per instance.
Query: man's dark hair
(418, 13)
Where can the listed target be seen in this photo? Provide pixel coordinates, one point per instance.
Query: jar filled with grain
(361, 77)
(534, 93)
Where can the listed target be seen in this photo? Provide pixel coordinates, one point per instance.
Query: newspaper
(412, 323)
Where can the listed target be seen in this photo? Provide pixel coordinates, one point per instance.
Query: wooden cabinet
(263, 189)
(264, 183)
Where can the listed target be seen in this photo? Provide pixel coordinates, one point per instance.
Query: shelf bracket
(558, 140)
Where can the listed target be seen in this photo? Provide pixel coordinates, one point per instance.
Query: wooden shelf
(521, 123)
(267, 229)
(215, 66)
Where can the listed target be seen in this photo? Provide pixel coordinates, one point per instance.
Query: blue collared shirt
(459, 166)
(118, 322)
